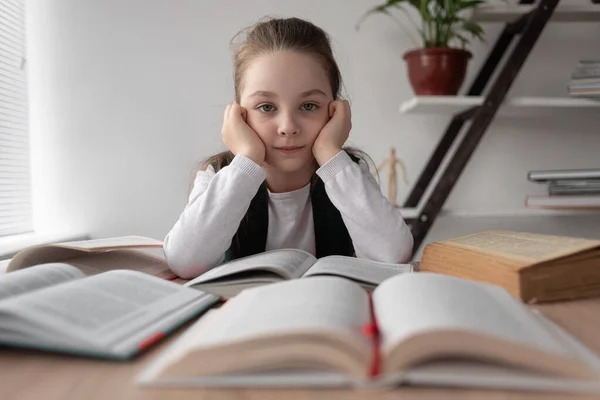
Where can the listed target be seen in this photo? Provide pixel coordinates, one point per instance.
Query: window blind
(15, 190)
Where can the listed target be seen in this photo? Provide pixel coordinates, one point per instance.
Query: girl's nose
(287, 125)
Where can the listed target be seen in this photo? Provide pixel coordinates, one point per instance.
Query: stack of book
(574, 189)
(585, 79)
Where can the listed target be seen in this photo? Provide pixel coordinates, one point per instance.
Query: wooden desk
(32, 375)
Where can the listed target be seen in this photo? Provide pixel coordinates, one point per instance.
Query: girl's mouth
(289, 149)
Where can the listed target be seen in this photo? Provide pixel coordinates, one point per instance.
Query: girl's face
(286, 95)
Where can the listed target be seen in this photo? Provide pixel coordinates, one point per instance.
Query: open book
(228, 279)
(533, 267)
(419, 328)
(115, 314)
(94, 256)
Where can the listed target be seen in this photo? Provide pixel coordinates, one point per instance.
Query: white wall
(127, 97)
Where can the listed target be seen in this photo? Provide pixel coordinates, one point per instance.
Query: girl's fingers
(226, 113)
(236, 109)
(347, 108)
(338, 107)
(331, 109)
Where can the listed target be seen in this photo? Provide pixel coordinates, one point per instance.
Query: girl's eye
(309, 107)
(266, 108)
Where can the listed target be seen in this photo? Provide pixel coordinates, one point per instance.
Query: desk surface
(31, 375)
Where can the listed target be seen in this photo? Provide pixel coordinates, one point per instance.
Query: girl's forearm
(377, 228)
(202, 234)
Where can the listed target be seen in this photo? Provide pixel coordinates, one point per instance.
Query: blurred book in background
(585, 79)
(567, 189)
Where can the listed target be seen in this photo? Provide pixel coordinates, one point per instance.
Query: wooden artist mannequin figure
(390, 163)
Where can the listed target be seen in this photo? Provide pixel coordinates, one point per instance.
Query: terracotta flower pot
(436, 70)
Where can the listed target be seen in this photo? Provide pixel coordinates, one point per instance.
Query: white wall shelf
(450, 105)
(510, 52)
(563, 13)
(409, 213)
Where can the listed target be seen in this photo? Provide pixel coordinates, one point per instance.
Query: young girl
(286, 181)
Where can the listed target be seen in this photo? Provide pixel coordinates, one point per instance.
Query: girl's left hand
(334, 134)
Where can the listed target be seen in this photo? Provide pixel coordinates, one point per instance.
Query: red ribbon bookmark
(371, 330)
(150, 341)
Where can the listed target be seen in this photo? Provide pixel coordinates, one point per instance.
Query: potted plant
(438, 64)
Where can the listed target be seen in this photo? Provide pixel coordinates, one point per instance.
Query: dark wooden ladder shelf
(526, 29)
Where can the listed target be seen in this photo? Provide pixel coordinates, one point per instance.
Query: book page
(37, 277)
(40, 255)
(528, 247)
(410, 304)
(58, 252)
(490, 376)
(360, 270)
(148, 261)
(316, 304)
(101, 309)
(287, 263)
(112, 243)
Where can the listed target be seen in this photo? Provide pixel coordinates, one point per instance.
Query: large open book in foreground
(533, 267)
(137, 253)
(229, 279)
(419, 329)
(115, 314)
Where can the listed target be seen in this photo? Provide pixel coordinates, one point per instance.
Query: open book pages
(481, 374)
(150, 260)
(321, 328)
(229, 279)
(270, 266)
(318, 329)
(38, 277)
(112, 243)
(113, 314)
(368, 274)
(55, 252)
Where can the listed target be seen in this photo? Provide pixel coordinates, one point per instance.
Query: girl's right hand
(239, 137)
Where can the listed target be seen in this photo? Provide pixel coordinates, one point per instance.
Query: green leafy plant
(442, 22)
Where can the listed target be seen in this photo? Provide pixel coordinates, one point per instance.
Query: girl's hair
(280, 34)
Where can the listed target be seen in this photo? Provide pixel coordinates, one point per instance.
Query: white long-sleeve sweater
(218, 202)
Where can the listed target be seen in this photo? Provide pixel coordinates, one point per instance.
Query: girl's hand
(239, 137)
(334, 134)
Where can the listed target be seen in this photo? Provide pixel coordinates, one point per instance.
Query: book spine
(371, 330)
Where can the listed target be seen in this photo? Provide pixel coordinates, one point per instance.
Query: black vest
(331, 234)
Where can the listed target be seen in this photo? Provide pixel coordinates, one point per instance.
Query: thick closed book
(533, 267)
(419, 329)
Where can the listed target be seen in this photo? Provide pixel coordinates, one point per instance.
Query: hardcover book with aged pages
(228, 279)
(417, 329)
(533, 267)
